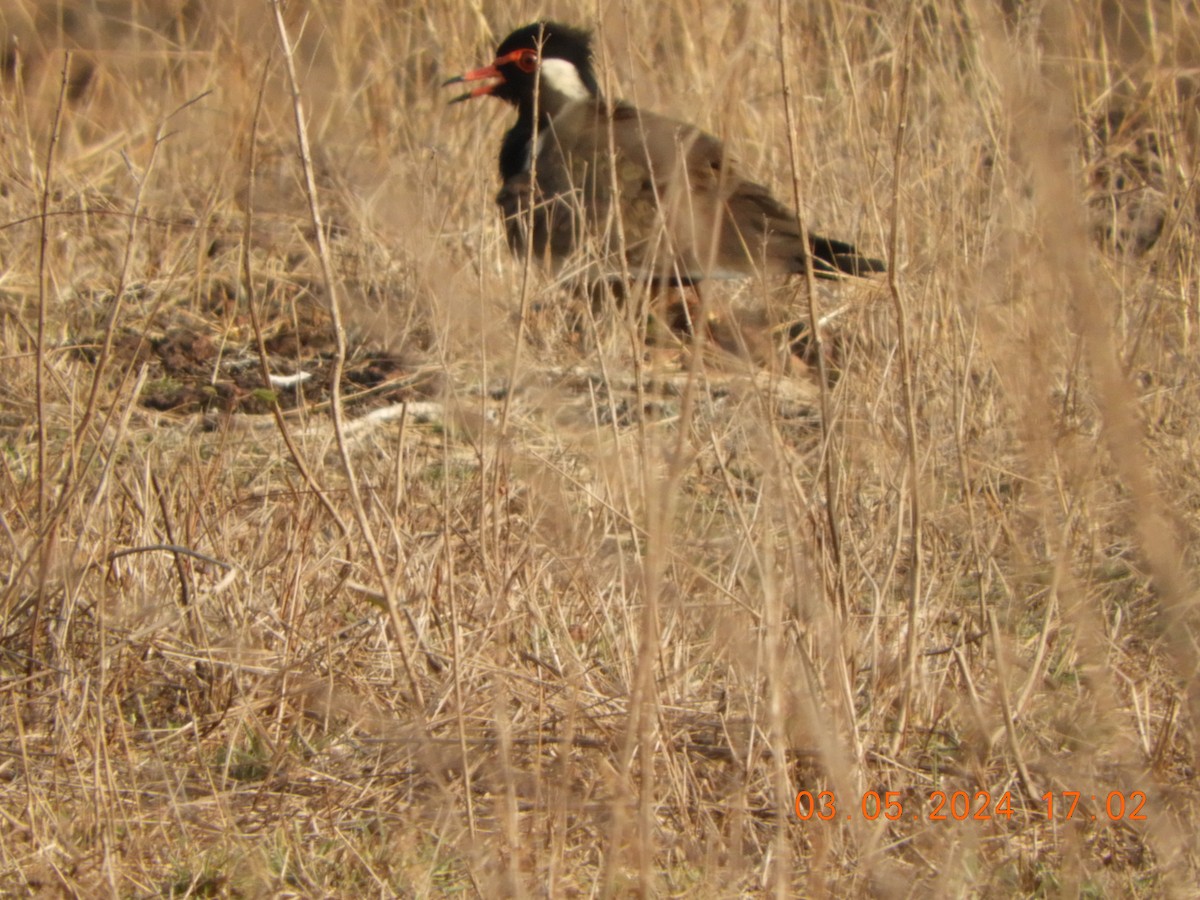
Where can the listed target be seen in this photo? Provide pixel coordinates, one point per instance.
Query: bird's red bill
(491, 72)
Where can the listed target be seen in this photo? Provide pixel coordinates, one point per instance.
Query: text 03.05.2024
(960, 806)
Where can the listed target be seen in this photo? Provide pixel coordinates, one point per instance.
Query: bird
(620, 192)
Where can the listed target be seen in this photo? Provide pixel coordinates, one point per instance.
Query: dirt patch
(216, 365)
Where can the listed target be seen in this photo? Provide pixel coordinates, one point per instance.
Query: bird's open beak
(491, 72)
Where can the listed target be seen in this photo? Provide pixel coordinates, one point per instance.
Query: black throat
(516, 149)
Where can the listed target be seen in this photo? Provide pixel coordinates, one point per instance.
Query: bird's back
(618, 181)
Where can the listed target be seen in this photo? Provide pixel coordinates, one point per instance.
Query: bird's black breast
(554, 214)
(514, 151)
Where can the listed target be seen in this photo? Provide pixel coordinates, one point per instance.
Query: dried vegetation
(477, 603)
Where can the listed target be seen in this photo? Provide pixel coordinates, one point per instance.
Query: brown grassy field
(499, 597)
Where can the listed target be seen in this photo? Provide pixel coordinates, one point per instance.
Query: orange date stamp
(980, 806)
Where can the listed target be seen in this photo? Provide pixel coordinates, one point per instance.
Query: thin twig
(1006, 706)
(89, 410)
(298, 458)
(177, 549)
(830, 471)
(904, 349)
(46, 543)
(43, 287)
(339, 361)
(828, 458)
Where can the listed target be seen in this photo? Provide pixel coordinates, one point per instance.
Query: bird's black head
(561, 56)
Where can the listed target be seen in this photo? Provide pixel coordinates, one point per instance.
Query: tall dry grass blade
(46, 522)
(915, 588)
(339, 363)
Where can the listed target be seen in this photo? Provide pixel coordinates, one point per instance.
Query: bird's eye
(527, 61)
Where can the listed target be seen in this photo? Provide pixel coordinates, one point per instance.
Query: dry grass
(566, 616)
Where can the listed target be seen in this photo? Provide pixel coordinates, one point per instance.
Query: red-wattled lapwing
(617, 181)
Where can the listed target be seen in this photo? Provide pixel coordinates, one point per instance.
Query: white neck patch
(562, 78)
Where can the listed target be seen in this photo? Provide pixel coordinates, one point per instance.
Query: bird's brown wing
(664, 194)
(586, 161)
(746, 230)
(683, 209)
